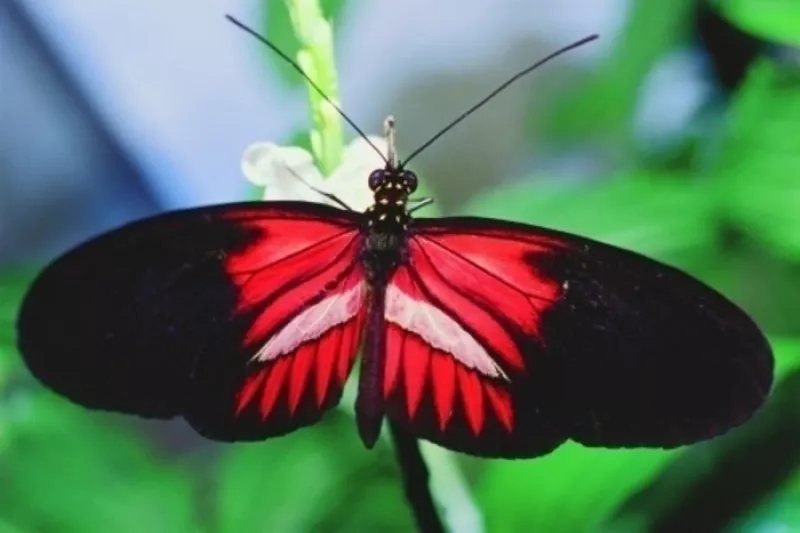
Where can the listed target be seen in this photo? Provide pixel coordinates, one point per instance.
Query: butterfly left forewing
(295, 356)
(170, 316)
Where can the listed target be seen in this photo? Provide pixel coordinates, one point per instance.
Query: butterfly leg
(329, 196)
(420, 203)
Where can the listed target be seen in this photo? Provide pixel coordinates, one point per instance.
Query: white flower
(279, 168)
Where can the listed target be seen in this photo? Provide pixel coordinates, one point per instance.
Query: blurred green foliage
(664, 216)
(757, 164)
(776, 20)
(572, 489)
(727, 211)
(601, 107)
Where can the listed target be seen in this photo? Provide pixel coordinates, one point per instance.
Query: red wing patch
(437, 374)
(312, 375)
(493, 270)
(305, 292)
(457, 394)
(463, 322)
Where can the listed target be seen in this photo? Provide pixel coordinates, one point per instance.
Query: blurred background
(676, 135)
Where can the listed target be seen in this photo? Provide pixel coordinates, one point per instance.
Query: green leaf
(733, 469)
(572, 489)
(756, 168)
(68, 470)
(12, 287)
(13, 284)
(772, 20)
(779, 512)
(7, 527)
(787, 356)
(287, 484)
(278, 28)
(300, 139)
(665, 218)
(377, 504)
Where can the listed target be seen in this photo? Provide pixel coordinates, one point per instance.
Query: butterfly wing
(243, 318)
(505, 340)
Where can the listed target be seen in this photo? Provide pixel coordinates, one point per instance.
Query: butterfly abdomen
(370, 402)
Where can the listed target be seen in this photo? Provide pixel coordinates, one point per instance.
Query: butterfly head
(392, 179)
(391, 187)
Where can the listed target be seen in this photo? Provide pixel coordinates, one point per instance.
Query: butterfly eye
(411, 181)
(375, 179)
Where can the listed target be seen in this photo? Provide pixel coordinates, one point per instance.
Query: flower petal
(277, 168)
(349, 181)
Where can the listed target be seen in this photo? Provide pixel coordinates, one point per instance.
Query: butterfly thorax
(387, 223)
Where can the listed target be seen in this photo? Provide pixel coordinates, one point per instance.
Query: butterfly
(488, 337)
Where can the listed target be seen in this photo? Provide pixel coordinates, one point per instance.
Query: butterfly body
(384, 248)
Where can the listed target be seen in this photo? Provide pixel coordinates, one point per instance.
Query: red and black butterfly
(488, 337)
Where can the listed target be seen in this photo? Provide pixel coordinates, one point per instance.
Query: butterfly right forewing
(506, 339)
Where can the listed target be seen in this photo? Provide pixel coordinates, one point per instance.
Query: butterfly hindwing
(536, 336)
(166, 317)
(307, 311)
(460, 343)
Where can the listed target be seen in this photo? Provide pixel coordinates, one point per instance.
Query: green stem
(317, 60)
(459, 512)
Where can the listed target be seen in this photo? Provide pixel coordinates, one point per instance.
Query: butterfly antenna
(494, 93)
(311, 82)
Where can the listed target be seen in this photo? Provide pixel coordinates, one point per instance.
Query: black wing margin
(647, 355)
(136, 319)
